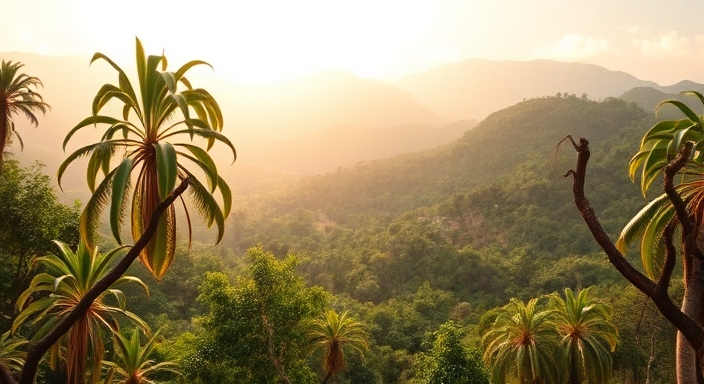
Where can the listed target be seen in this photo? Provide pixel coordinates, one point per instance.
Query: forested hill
(497, 147)
(469, 217)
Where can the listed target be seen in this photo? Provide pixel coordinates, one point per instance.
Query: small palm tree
(153, 116)
(17, 97)
(588, 336)
(12, 352)
(132, 364)
(70, 275)
(523, 343)
(335, 334)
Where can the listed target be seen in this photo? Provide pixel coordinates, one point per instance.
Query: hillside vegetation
(410, 244)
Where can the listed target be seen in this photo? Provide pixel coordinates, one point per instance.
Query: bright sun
(254, 41)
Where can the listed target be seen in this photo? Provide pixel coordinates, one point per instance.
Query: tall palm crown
(132, 364)
(523, 343)
(658, 147)
(334, 334)
(588, 336)
(70, 275)
(17, 98)
(152, 117)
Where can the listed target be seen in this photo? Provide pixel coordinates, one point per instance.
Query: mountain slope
(496, 147)
(345, 146)
(475, 88)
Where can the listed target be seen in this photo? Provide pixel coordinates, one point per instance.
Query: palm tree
(70, 275)
(132, 364)
(658, 148)
(588, 336)
(12, 352)
(335, 334)
(152, 117)
(17, 97)
(523, 343)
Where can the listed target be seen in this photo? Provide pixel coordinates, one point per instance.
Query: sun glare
(265, 41)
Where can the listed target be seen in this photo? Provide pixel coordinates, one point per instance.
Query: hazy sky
(268, 40)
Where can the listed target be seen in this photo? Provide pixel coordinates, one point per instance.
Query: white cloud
(668, 45)
(574, 47)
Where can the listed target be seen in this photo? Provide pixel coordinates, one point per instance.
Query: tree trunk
(691, 306)
(272, 353)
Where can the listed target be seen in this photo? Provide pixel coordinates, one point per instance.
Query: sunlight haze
(264, 41)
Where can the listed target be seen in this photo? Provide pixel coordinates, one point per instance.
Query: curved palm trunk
(686, 363)
(327, 378)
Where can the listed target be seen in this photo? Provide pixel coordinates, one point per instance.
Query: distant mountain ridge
(478, 87)
(317, 123)
(649, 98)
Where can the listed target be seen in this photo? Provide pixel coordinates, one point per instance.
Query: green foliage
(569, 341)
(132, 363)
(336, 335)
(523, 343)
(658, 147)
(30, 217)
(385, 189)
(645, 337)
(588, 336)
(406, 244)
(68, 277)
(448, 361)
(256, 327)
(160, 114)
(175, 295)
(12, 351)
(404, 322)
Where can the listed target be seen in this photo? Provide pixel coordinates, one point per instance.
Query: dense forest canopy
(425, 249)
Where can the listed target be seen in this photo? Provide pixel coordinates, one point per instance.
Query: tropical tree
(146, 138)
(255, 331)
(17, 97)
(132, 363)
(448, 361)
(31, 218)
(658, 148)
(523, 343)
(588, 336)
(12, 354)
(335, 334)
(69, 276)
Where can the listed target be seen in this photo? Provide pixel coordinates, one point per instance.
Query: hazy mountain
(343, 146)
(331, 119)
(292, 111)
(505, 141)
(317, 102)
(649, 98)
(475, 88)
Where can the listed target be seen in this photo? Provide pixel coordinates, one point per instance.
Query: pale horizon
(271, 41)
